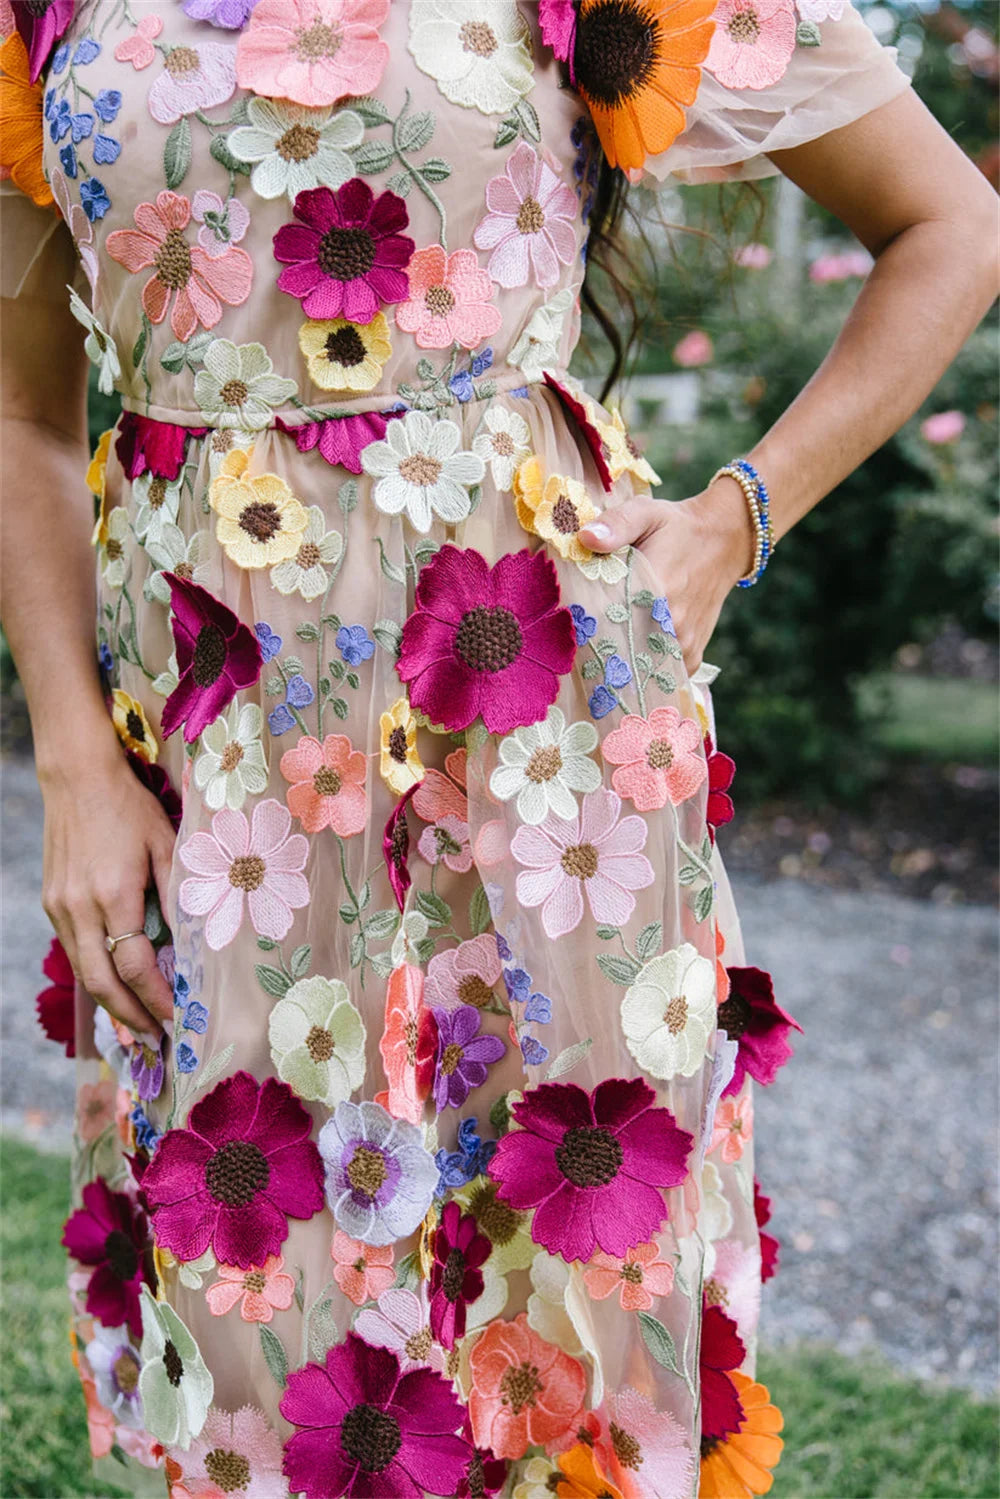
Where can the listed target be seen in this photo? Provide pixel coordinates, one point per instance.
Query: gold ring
(112, 942)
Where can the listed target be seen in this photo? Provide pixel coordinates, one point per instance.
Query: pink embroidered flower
(557, 20)
(139, 49)
(695, 348)
(530, 223)
(450, 300)
(217, 655)
(328, 784)
(752, 43)
(231, 1444)
(525, 1391)
(658, 757)
(486, 641)
(56, 1005)
(733, 1127)
(193, 78)
(80, 227)
(637, 1276)
(629, 1423)
(438, 795)
(222, 224)
(345, 257)
(259, 1290)
(198, 283)
(396, 848)
(340, 439)
(401, 1322)
(719, 808)
(362, 1271)
(109, 1232)
(593, 852)
(751, 1016)
(408, 1045)
(735, 1282)
(261, 863)
(447, 842)
(313, 51)
(234, 1175)
(464, 975)
(144, 445)
(592, 1165)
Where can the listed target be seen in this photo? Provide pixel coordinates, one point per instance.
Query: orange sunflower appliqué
(21, 123)
(637, 65)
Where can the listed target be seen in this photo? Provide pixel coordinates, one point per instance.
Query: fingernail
(599, 531)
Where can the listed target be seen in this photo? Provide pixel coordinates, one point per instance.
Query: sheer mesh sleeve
(37, 256)
(729, 132)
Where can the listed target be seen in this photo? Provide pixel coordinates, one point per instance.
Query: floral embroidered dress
(442, 1181)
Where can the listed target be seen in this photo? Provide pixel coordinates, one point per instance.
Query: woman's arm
(105, 834)
(930, 218)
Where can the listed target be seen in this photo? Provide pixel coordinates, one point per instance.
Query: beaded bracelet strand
(758, 502)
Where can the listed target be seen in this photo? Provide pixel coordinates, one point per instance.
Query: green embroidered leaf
(400, 182)
(266, 944)
(324, 687)
(607, 933)
(337, 669)
(617, 613)
(347, 495)
(139, 347)
(568, 1059)
(307, 630)
(424, 949)
(655, 643)
(219, 150)
(300, 1300)
(353, 680)
(706, 848)
(475, 495)
(672, 648)
(425, 549)
(665, 681)
(173, 359)
(339, 707)
(437, 911)
(216, 1066)
(292, 665)
(300, 961)
(605, 646)
(392, 572)
(388, 635)
(703, 903)
(435, 170)
(322, 1327)
(348, 912)
(240, 113)
(507, 131)
(274, 1354)
(177, 153)
(372, 157)
(687, 875)
(619, 970)
(333, 620)
(643, 599)
(648, 941)
(590, 670)
(364, 895)
(500, 1114)
(273, 686)
(272, 980)
(658, 1340)
(372, 111)
(479, 912)
(527, 114)
(425, 370)
(119, 1455)
(382, 925)
(807, 34)
(357, 949)
(413, 133)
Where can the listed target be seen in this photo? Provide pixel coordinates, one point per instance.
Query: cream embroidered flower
(114, 563)
(604, 567)
(420, 470)
(669, 1012)
(342, 355)
(540, 1479)
(412, 931)
(559, 1310)
(99, 346)
(238, 386)
(305, 573)
(222, 442)
(477, 51)
(232, 763)
(260, 520)
(172, 552)
(318, 1041)
(133, 727)
(537, 346)
(504, 444)
(296, 148)
(620, 452)
(157, 502)
(544, 764)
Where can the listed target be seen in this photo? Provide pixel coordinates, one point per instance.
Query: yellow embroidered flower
(133, 728)
(96, 481)
(345, 356)
(529, 482)
(399, 763)
(564, 507)
(425, 1244)
(260, 520)
(620, 452)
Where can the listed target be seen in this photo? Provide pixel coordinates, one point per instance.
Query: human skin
(894, 177)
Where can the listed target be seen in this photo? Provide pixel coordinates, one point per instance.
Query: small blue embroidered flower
(617, 673)
(59, 58)
(461, 386)
(503, 948)
(539, 1008)
(482, 362)
(60, 121)
(585, 624)
(105, 657)
(82, 126)
(50, 100)
(94, 198)
(661, 613)
(181, 988)
(146, 1134)
(521, 390)
(602, 702)
(355, 644)
(518, 985)
(270, 643)
(107, 104)
(185, 1058)
(67, 159)
(533, 1051)
(470, 1160)
(298, 692)
(87, 49)
(196, 1017)
(106, 150)
(279, 720)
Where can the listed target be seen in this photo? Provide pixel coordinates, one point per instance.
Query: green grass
(853, 1430)
(934, 718)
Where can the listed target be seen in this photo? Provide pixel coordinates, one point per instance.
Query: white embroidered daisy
(176, 1390)
(173, 552)
(477, 51)
(537, 346)
(544, 764)
(114, 563)
(305, 573)
(421, 471)
(318, 1041)
(99, 346)
(504, 445)
(232, 763)
(669, 1012)
(238, 386)
(296, 147)
(157, 502)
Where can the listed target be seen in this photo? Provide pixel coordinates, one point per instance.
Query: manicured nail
(599, 531)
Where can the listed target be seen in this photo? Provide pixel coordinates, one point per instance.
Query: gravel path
(878, 1142)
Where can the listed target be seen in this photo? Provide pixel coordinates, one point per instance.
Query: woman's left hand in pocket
(696, 549)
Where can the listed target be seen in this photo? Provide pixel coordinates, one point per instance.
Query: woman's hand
(697, 549)
(106, 839)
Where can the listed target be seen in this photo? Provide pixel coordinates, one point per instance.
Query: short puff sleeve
(729, 132)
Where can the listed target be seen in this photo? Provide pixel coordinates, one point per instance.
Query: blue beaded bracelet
(758, 503)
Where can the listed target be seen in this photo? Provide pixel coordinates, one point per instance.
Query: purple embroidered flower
(617, 672)
(107, 104)
(533, 1052)
(217, 655)
(94, 198)
(345, 257)
(230, 15)
(298, 691)
(106, 150)
(147, 1069)
(186, 1058)
(586, 624)
(355, 644)
(463, 1055)
(86, 51)
(41, 25)
(270, 643)
(752, 1017)
(661, 613)
(195, 1016)
(471, 1159)
(601, 702)
(111, 1233)
(380, 1177)
(67, 160)
(280, 720)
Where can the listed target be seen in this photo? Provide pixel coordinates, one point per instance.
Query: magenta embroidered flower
(366, 1428)
(594, 852)
(345, 257)
(752, 43)
(463, 1055)
(592, 1165)
(259, 862)
(111, 1233)
(530, 223)
(456, 1278)
(582, 416)
(557, 20)
(56, 1005)
(486, 641)
(396, 848)
(40, 27)
(193, 78)
(752, 1017)
(217, 655)
(450, 300)
(233, 1176)
(144, 445)
(447, 842)
(340, 439)
(313, 51)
